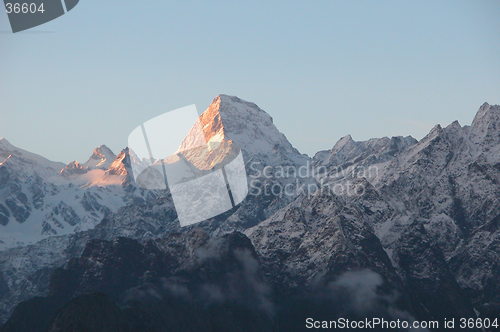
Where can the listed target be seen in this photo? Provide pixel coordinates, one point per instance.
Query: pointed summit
(121, 165)
(101, 157)
(73, 168)
(4, 143)
(486, 124)
(26, 162)
(342, 143)
(231, 120)
(482, 111)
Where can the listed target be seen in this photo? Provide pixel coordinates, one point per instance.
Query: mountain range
(389, 227)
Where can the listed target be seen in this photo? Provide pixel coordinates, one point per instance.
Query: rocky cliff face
(390, 227)
(442, 190)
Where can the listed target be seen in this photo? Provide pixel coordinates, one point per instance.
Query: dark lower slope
(193, 282)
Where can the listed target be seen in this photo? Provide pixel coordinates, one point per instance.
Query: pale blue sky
(322, 69)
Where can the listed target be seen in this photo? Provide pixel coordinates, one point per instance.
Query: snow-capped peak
(484, 132)
(121, 165)
(101, 157)
(342, 142)
(115, 173)
(454, 125)
(6, 145)
(24, 162)
(73, 168)
(486, 123)
(233, 120)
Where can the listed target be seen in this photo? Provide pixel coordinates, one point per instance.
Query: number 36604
(24, 8)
